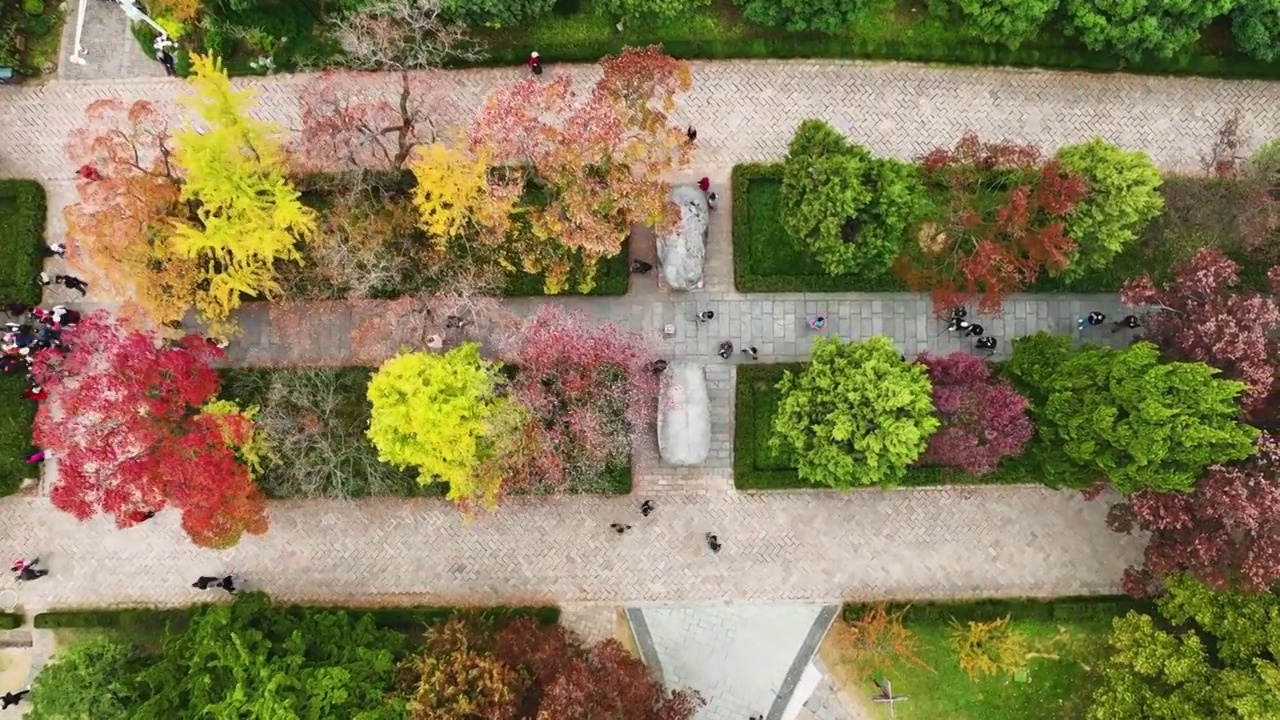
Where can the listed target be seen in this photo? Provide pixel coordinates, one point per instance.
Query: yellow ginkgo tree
(245, 215)
(441, 414)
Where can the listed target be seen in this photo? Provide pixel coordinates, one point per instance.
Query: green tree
(441, 414)
(1255, 25)
(827, 16)
(246, 215)
(997, 22)
(1140, 423)
(852, 211)
(651, 11)
(858, 414)
(1123, 197)
(250, 659)
(1136, 28)
(1210, 655)
(496, 13)
(93, 678)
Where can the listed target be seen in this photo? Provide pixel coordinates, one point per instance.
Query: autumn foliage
(1201, 314)
(588, 391)
(983, 420)
(125, 422)
(594, 161)
(1226, 531)
(529, 671)
(1000, 224)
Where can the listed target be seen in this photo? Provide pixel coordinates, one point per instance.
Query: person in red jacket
(89, 172)
(35, 394)
(535, 62)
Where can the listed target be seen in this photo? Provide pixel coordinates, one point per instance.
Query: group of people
(29, 331)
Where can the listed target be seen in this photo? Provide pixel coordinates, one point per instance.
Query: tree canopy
(851, 210)
(858, 414)
(1134, 28)
(94, 677)
(1124, 415)
(1205, 654)
(983, 420)
(441, 414)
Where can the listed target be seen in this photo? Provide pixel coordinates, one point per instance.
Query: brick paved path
(778, 546)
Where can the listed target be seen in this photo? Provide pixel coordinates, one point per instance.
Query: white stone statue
(682, 253)
(684, 415)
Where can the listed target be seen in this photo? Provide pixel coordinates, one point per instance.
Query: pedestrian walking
(704, 184)
(640, 267)
(12, 698)
(89, 172)
(141, 516)
(975, 330)
(1093, 318)
(37, 457)
(619, 527)
(691, 133)
(706, 315)
(711, 201)
(535, 63)
(1129, 322)
(817, 322)
(659, 366)
(71, 282)
(751, 352)
(204, 582)
(54, 250)
(27, 571)
(229, 584)
(713, 542)
(985, 344)
(35, 394)
(726, 350)
(166, 60)
(43, 279)
(646, 508)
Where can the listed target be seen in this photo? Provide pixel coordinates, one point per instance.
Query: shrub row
(22, 222)
(155, 619)
(1083, 607)
(755, 468)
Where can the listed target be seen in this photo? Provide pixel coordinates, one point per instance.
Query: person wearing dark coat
(12, 698)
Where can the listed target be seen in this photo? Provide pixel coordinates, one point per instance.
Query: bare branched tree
(402, 35)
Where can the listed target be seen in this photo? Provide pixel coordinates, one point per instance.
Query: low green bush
(1074, 608)
(22, 219)
(756, 467)
(1198, 212)
(10, 621)
(29, 34)
(154, 619)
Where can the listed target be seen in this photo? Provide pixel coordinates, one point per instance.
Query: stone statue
(684, 415)
(682, 253)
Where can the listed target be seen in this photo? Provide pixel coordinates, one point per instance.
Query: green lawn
(757, 467)
(22, 218)
(1197, 214)
(1065, 641)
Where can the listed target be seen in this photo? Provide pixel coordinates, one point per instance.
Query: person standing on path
(535, 63)
(726, 350)
(12, 698)
(706, 315)
(204, 582)
(713, 542)
(1093, 318)
(27, 570)
(1129, 322)
(646, 508)
(619, 527)
(751, 352)
(71, 282)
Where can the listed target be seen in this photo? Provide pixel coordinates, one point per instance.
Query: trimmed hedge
(22, 223)
(155, 619)
(1076, 607)
(1196, 215)
(11, 621)
(756, 468)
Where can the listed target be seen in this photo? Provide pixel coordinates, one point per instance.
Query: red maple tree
(122, 420)
(983, 420)
(1001, 225)
(1225, 532)
(1202, 315)
(589, 391)
(364, 120)
(569, 682)
(598, 160)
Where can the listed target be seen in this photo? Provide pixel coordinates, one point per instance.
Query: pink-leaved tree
(983, 420)
(589, 391)
(1225, 532)
(1202, 315)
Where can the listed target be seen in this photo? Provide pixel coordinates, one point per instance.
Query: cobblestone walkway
(819, 547)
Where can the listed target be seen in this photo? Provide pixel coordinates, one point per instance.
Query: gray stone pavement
(747, 110)
(738, 657)
(111, 52)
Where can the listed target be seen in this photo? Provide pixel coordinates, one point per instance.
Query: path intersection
(778, 546)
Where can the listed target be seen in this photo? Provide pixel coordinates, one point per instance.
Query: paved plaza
(806, 549)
